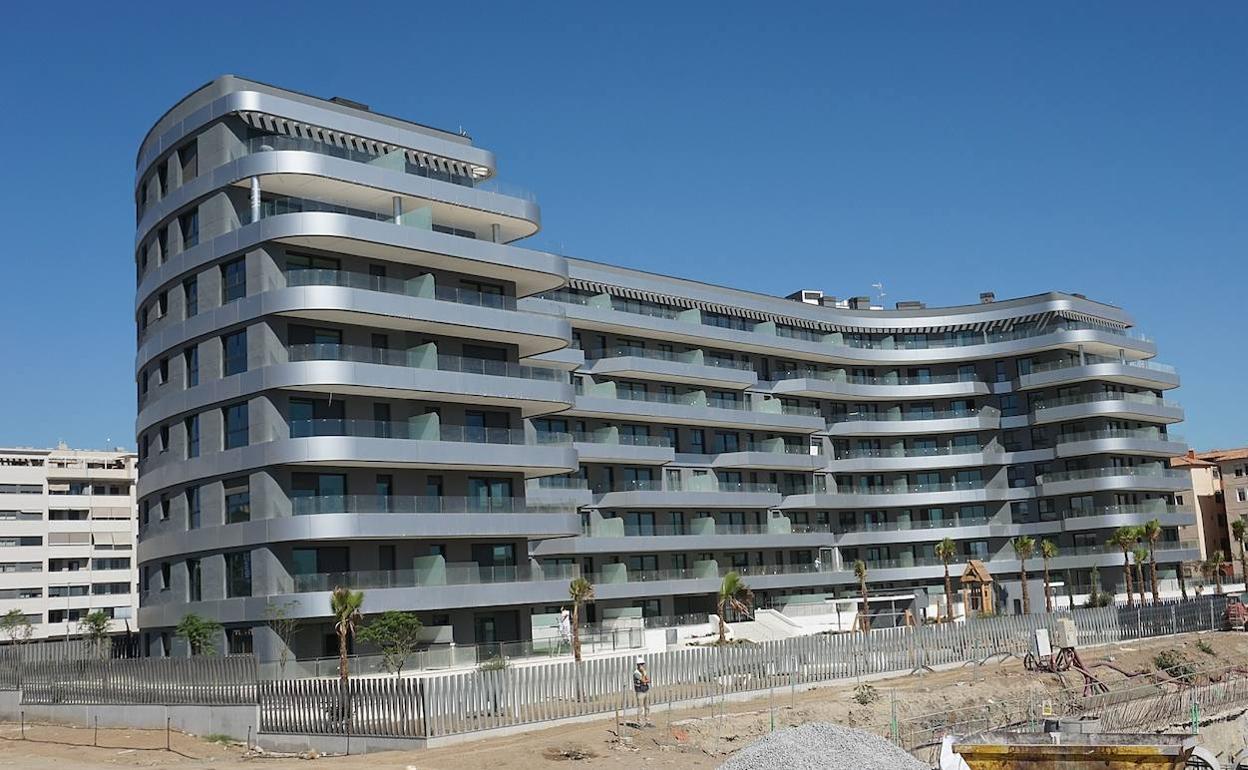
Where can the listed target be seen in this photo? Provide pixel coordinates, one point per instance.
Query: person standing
(641, 688)
(565, 627)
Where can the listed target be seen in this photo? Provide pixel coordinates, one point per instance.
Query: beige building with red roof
(1219, 495)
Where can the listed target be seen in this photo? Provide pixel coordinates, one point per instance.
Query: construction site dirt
(701, 737)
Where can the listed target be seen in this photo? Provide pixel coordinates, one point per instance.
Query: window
(233, 280)
(189, 224)
(188, 155)
(162, 304)
(192, 436)
(239, 641)
(234, 353)
(190, 359)
(1241, 494)
(194, 581)
(164, 438)
(190, 296)
(237, 574)
(237, 500)
(192, 508)
(235, 425)
(163, 371)
(166, 575)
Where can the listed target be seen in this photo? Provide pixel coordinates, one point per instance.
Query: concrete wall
(235, 721)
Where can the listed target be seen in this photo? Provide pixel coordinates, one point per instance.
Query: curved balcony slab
(1111, 521)
(1161, 412)
(884, 463)
(773, 461)
(642, 368)
(1124, 483)
(568, 359)
(532, 397)
(693, 500)
(813, 387)
(1128, 374)
(916, 498)
(984, 420)
(628, 454)
(693, 414)
(530, 332)
(552, 497)
(359, 526)
(313, 175)
(588, 544)
(531, 271)
(1156, 447)
(355, 451)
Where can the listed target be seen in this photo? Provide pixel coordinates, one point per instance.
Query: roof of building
(976, 572)
(1223, 455)
(1190, 460)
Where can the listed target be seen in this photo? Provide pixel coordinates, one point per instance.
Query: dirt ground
(682, 738)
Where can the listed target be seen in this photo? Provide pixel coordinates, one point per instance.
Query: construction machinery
(1075, 751)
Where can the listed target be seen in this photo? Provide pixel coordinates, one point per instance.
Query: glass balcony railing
(319, 504)
(936, 379)
(697, 398)
(656, 485)
(1141, 435)
(936, 451)
(454, 574)
(1125, 510)
(1105, 548)
(623, 439)
(684, 357)
(561, 482)
(1101, 473)
(362, 354)
(354, 280)
(1146, 399)
(422, 432)
(1051, 366)
(954, 414)
(910, 489)
(280, 143)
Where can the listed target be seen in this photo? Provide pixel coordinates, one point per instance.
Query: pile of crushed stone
(822, 745)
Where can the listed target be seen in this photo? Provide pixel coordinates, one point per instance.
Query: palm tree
(864, 617)
(1024, 547)
(1140, 553)
(1124, 538)
(581, 591)
(1238, 530)
(1214, 566)
(734, 594)
(1048, 550)
(1152, 533)
(945, 550)
(344, 605)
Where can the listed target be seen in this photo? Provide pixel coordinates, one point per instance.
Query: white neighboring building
(67, 537)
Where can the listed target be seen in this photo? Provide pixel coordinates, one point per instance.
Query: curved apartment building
(351, 371)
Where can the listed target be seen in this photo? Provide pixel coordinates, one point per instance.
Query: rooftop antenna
(879, 287)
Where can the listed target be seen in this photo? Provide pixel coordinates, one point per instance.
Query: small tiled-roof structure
(976, 572)
(976, 588)
(1190, 460)
(1223, 455)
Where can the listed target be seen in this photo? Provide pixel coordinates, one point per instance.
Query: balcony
(813, 383)
(1145, 441)
(692, 367)
(1115, 516)
(904, 458)
(1146, 477)
(895, 422)
(699, 493)
(1138, 406)
(1141, 373)
(609, 445)
(605, 400)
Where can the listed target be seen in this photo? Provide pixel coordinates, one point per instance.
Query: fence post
(167, 721)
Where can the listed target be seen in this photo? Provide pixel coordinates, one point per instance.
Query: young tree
(1180, 570)
(945, 551)
(1239, 534)
(1152, 533)
(580, 591)
(1048, 550)
(16, 627)
(285, 626)
(1214, 567)
(1124, 538)
(734, 594)
(396, 635)
(199, 633)
(344, 605)
(864, 617)
(1024, 547)
(1141, 554)
(94, 628)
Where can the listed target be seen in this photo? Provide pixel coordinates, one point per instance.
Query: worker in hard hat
(641, 688)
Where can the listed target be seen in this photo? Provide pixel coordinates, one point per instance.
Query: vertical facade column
(398, 210)
(1083, 358)
(255, 199)
(496, 233)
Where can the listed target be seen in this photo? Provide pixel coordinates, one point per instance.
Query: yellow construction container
(1075, 751)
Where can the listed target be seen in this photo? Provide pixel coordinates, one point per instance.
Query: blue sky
(942, 148)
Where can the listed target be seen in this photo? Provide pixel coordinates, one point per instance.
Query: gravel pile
(825, 746)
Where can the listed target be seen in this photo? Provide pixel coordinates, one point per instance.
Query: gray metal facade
(457, 424)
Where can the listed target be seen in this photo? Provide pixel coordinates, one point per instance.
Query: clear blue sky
(942, 148)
